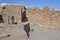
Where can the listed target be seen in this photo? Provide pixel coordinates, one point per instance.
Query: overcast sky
(34, 3)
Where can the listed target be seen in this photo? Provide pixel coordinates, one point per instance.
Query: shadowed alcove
(1, 19)
(24, 18)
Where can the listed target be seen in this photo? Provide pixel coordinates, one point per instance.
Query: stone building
(16, 14)
(12, 14)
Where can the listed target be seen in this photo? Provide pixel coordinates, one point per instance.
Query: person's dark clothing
(27, 29)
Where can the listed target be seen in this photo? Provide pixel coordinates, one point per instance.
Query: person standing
(27, 29)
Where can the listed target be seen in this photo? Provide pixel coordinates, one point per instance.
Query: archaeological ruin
(20, 23)
(17, 15)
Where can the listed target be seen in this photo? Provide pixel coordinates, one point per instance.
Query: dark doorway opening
(1, 19)
(13, 20)
(24, 18)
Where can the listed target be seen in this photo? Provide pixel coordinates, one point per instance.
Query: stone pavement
(17, 33)
(44, 34)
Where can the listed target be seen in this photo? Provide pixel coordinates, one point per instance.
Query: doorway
(13, 20)
(24, 18)
(1, 19)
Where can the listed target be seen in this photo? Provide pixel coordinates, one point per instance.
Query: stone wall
(46, 17)
(12, 10)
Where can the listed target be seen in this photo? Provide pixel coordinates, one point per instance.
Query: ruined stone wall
(44, 18)
(33, 14)
(41, 17)
(12, 10)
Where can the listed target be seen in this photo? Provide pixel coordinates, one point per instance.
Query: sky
(34, 3)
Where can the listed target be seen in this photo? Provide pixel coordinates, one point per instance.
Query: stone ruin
(12, 18)
(18, 21)
(46, 17)
(17, 15)
(12, 14)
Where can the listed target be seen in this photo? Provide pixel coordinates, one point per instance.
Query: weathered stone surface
(12, 10)
(48, 18)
